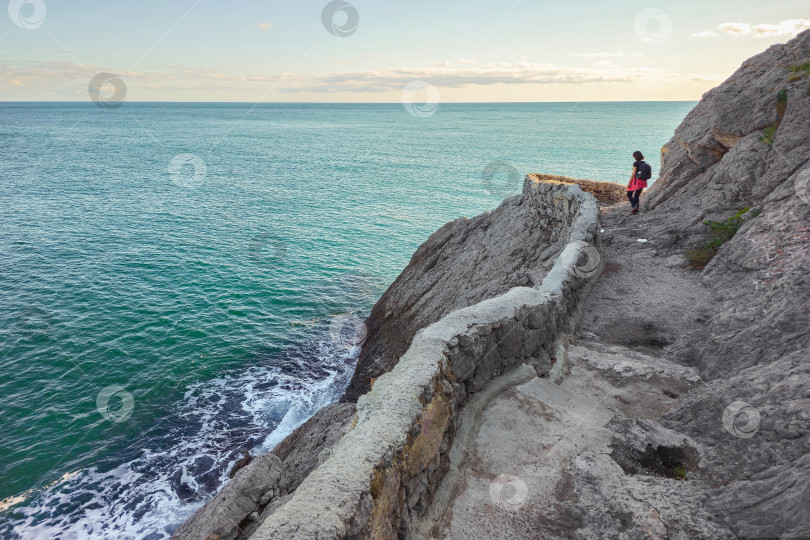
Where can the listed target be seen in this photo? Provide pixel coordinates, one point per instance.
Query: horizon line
(360, 102)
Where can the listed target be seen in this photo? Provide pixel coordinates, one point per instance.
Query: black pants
(633, 197)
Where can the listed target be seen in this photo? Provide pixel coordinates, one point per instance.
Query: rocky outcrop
(371, 468)
(582, 458)
(747, 144)
(716, 161)
(722, 457)
(237, 504)
(307, 447)
(267, 481)
(675, 374)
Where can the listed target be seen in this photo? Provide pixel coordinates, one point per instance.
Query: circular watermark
(27, 14)
(501, 179)
(653, 26)
(187, 170)
(107, 90)
(508, 491)
(420, 98)
(584, 262)
(802, 185)
(125, 405)
(332, 14)
(347, 332)
(267, 250)
(741, 419)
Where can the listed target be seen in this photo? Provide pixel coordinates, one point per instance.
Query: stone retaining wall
(380, 476)
(607, 193)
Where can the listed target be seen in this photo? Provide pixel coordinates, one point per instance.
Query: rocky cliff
(747, 144)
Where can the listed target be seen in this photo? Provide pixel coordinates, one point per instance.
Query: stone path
(586, 458)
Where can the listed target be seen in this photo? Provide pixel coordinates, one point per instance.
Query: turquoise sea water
(201, 296)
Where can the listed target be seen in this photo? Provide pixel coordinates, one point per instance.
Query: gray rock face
(462, 263)
(223, 516)
(753, 346)
(581, 459)
(264, 484)
(779, 491)
(305, 447)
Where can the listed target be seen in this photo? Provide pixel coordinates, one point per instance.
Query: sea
(184, 282)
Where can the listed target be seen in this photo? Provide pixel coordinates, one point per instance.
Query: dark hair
(638, 155)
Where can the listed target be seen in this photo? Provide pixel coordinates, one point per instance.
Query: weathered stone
(676, 261)
(606, 193)
(239, 499)
(266, 498)
(300, 451)
(743, 321)
(747, 326)
(465, 341)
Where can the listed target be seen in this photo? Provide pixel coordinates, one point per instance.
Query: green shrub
(781, 105)
(722, 231)
(799, 71)
(679, 473)
(769, 136)
(725, 230)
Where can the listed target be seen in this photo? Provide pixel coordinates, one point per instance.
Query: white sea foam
(149, 496)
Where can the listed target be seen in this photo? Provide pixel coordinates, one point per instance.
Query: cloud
(491, 74)
(265, 26)
(64, 78)
(786, 28)
(707, 78)
(704, 34)
(606, 55)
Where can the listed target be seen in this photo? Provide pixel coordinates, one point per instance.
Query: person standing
(638, 181)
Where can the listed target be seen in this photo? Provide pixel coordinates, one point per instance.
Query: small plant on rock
(798, 68)
(679, 473)
(769, 135)
(722, 231)
(699, 256)
(799, 71)
(781, 105)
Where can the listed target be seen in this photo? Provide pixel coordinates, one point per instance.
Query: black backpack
(644, 171)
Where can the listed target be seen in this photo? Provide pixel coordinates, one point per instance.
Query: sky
(383, 51)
